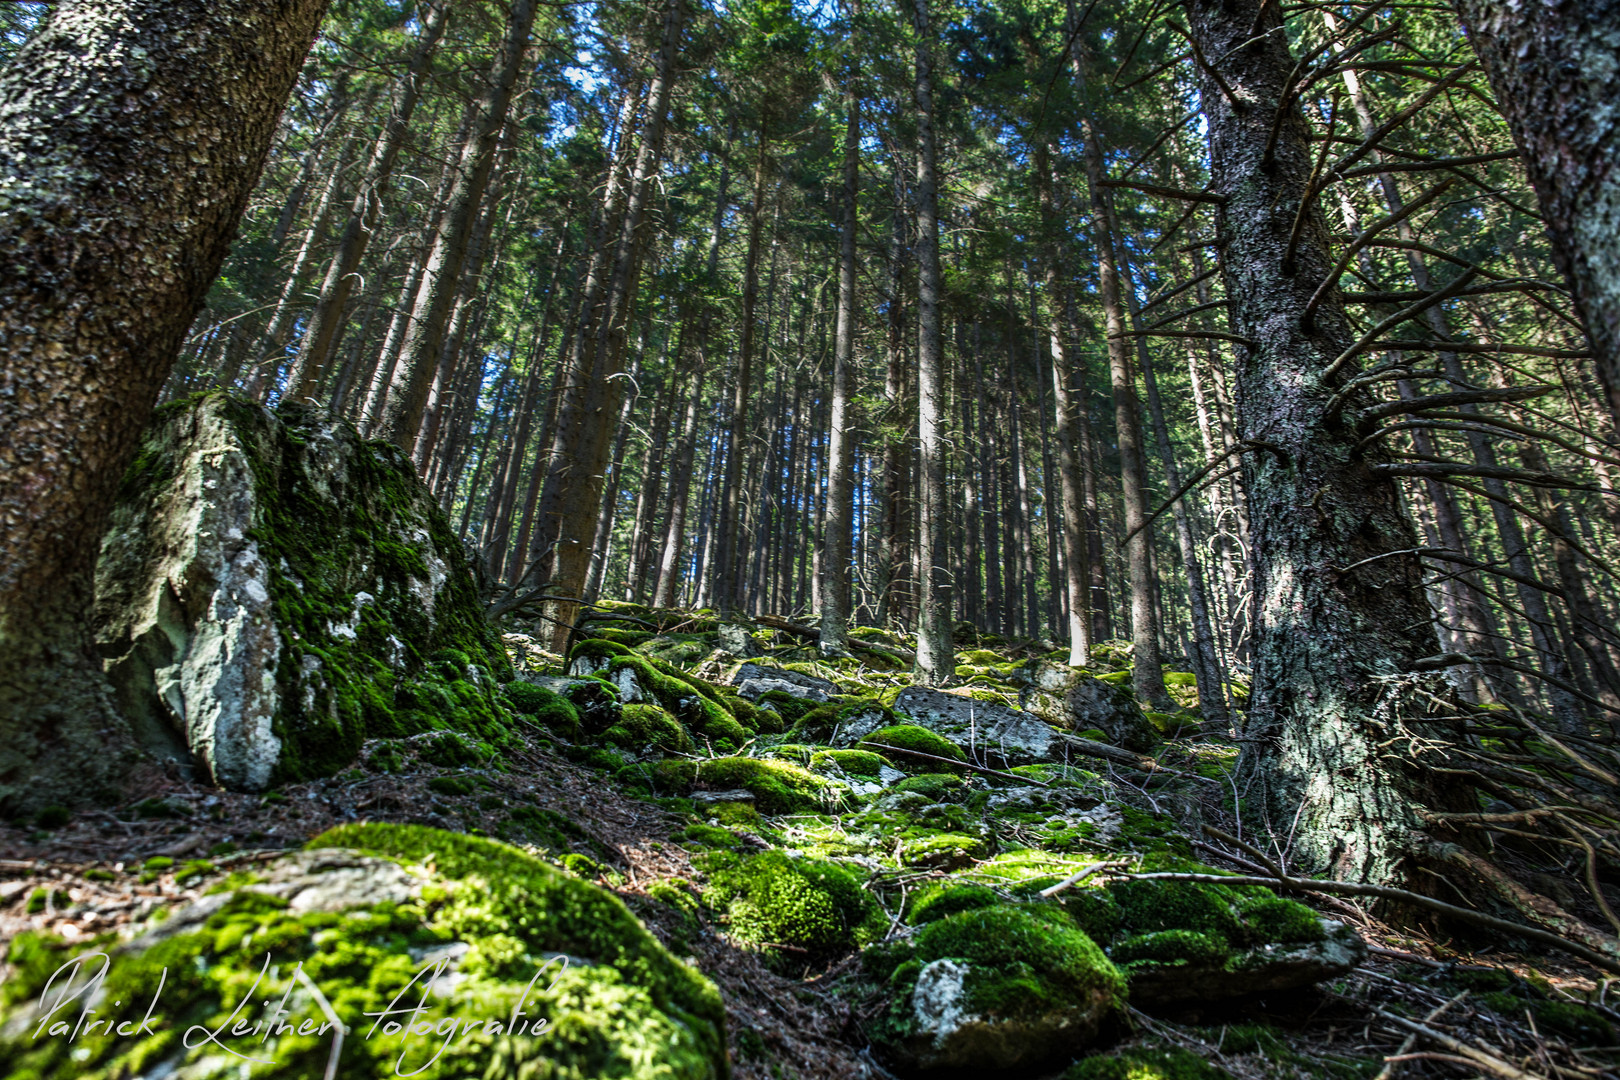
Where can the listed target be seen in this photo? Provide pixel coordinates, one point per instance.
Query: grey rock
(858, 725)
(196, 577)
(715, 798)
(1068, 697)
(752, 680)
(984, 730)
(735, 640)
(1262, 969)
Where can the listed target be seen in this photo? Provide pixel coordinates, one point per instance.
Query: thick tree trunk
(836, 530)
(114, 222)
(1553, 68)
(936, 658)
(425, 338)
(1334, 745)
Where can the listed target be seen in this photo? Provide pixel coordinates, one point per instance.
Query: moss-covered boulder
(1071, 698)
(273, 591)
(804, 911)
(754, 680)
(1183, 941)
(537, 973)
(778, 787)
(982, 729)
(1005, 988)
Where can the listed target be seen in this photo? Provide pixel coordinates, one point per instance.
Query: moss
(53, 817)
(633, 1012)
(854, 762)
(641, 726)
(1145, 1064)
(947, 898)
(701, 709)
(546, 707)
(778, 787)
(598, 651)
(193, 869)
(1027, 961)
(940, 787)
(1173, 948)
(941, 849)
(790, 707)
(812, 911)
(707, 836)
(452, 785)
(903, 737)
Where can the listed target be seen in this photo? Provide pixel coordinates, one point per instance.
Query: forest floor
(1492, 1011)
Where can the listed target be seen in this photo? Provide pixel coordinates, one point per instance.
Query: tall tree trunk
(320, 337)
(1330, 647)
(114, 222)
(1147, 672)
(936, 658)
(1553, 68)
(836, 530)
(441, 283)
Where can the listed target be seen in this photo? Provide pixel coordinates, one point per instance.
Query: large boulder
(1069, 698)
(1001, 989)
(274, 590)
(537, 972)
(983, 730)
(753, 680)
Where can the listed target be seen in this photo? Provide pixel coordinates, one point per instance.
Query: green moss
(545, 707)
(452, 785)
(1027, 961)
(903, 737)
(700, 708)
(630, 1010)
(940, 787)
(854, 762)
(947, 898)
(1173, 948)
(1140, 1064)
(641, 726)
(926, 847)
(778, 787)
(811, 911)
(790, 707)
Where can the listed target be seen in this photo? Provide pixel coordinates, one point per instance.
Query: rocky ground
(878, 879)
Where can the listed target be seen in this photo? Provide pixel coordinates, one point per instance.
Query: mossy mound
(1003, 987)
(778, 787)
(545, 707)
(803, 911)
(247, 543)
(706, 712)
(643, 726)
(592, 992)
(854, 762)
(894, 742)
(1145, 1064)
(941, 899)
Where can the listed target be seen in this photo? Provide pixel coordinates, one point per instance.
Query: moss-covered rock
(1139, 1063)
(900, 744)
(541, 974)
(544, 706)
(806, 911)
(854, 762)
(1004, 988)
(1071, 698)
(642, 726)
(778, 787)
(273, 591)
(992, 731)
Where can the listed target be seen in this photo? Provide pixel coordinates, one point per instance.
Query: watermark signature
(66, 1011)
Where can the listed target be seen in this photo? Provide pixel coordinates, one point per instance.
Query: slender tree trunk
(836, 531)
(936, 658)
(113, 223)
(320, 337)
(1147, 672)
(1330, 647)
(424, 341)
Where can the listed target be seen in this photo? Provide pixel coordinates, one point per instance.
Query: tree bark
(115, 221)
(1333, 650)
(936, 658)
(836, 531)
(1553, 68)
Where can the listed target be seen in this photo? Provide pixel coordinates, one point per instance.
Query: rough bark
(1553, 68)
(1333, 749)
(115, 221)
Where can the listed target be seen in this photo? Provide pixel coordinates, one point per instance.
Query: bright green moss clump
(641, 726)
(940, 900)
(1138, 1064)
(854, 762)
(621, 1007)
(812, 911)
(545, 707)
(903, 737)
(778, 787)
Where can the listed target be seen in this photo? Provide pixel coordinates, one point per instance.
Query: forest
(1029, 538)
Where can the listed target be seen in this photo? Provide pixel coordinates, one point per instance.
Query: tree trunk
(1553, 68)
(115, 221)
(441, 282)
(936, 659)
(1332, 650)
(836, 531)
(320, 337)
